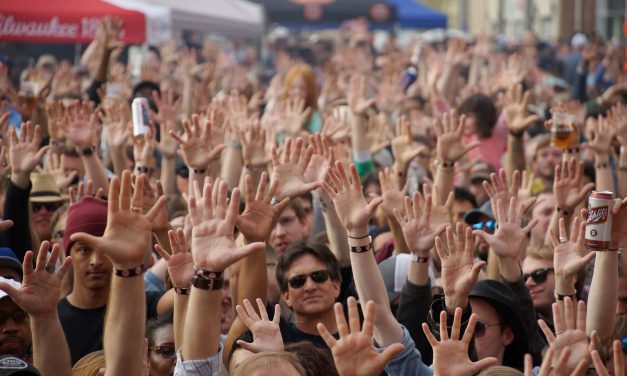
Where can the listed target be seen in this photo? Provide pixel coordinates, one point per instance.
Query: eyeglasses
(489, 226)
(480, 328)
(18, 317)
(166, 351)
(298, 281)
(538, 276)
(50, 206)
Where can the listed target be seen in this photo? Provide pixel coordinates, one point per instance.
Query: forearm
(187, 103)
(201, 332)
(255, 175)
(231, 164)
(124, 326)
(51, 354)
(180, 309)
(168, 176)
(603, 295)
(400, 245)
(370, 286)
(510, 269)
(336, 233)
(94, 170)
(446, 83)
(603, 172)
(444, 182)
(622, 172)
(102, 68)
(119, 160)
(515, 156)
(358, 136)
(418, 273)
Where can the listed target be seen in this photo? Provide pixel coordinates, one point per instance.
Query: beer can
(141, 117)
(599, 222)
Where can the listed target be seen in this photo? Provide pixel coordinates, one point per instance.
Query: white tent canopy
(230, 17)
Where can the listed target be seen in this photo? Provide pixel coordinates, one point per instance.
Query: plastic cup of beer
(563, 134)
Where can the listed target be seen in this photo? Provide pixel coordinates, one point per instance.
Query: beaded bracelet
(125, 273)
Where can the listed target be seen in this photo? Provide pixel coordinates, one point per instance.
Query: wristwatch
(87, 151)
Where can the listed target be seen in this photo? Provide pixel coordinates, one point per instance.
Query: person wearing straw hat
(45, 199)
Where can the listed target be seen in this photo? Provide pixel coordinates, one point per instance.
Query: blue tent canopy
(413, 14)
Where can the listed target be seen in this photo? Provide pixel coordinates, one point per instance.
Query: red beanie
(89, 215)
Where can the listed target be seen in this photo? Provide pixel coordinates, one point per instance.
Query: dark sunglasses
(480, 328)
(298, 281)
(18, 317)
(50, 206)
(166, 351)
(486, 226)
(538, 276)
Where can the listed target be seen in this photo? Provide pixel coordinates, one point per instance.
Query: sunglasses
(480, 328)
(298, 281)
(538, 276)
(18, 317)
(50, 206)
(166, 351)
(58, 235)
(489, 226)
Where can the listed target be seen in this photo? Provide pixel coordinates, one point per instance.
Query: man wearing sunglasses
(15, 337)
(45, 199)
(539, 277)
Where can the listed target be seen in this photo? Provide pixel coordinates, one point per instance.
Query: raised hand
(516, 111)
(80, 126)
(213, 246)
(255, 150)
(450, 355)
(391, 192)
(25, 153)
(352, 208)
(459, 268)
(568, 185)
(294, 116)
(619, 360)
(418, 230)
(55, 113)
(53, 165)
(354, 354)
(116, 122)
(321, 159)
(127, 236)
(336, 126)
(144, 147)
(153, 190)
(449, 147)
(509, 240)
(356, 95)
(440, 214)
(403, 146)
(196, 148)
(603, 132)
(266, 332)
(289, 169)
(167, 107)
(378, 136)
(570, 255)
(259, 216)
(180, 264)
(84, 189)
(560, 368)
(570, 332)
(41, 287)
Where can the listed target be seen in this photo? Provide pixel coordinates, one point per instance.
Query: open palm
(290, 172)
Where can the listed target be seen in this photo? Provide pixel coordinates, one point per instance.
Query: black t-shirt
(84, 327)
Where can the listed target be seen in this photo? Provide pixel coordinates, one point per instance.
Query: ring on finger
(49, 268)
(136, 209)
(563, 239)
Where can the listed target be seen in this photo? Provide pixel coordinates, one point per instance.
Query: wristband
(447, 165)
(360, 242)
(560, 210)
(133, 272)
(561, 297)
(182, 290)
(199, 171)
(573, 150)
(141, 169)
(235, 144)
(87, 151)
(418, 259)
(206, 280)
(360, 237)
(361, 248)
(602, 165)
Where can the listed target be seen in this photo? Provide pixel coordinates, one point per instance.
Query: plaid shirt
(201, 367)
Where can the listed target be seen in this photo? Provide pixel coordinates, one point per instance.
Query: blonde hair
(500, 371)
(540, 252)
(267, 361)
(90, 364)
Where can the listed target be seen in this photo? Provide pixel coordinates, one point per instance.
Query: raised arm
(289, 169)
(603, 133)
(213, 250)
(38, 296)
(517, 123)
(449, 149)
(125, 242)
(167, 115)
(116, 123)
(355, 212)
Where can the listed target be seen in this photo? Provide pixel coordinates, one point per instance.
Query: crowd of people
(320, 208)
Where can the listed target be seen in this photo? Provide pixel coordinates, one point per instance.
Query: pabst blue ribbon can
(599, 223)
